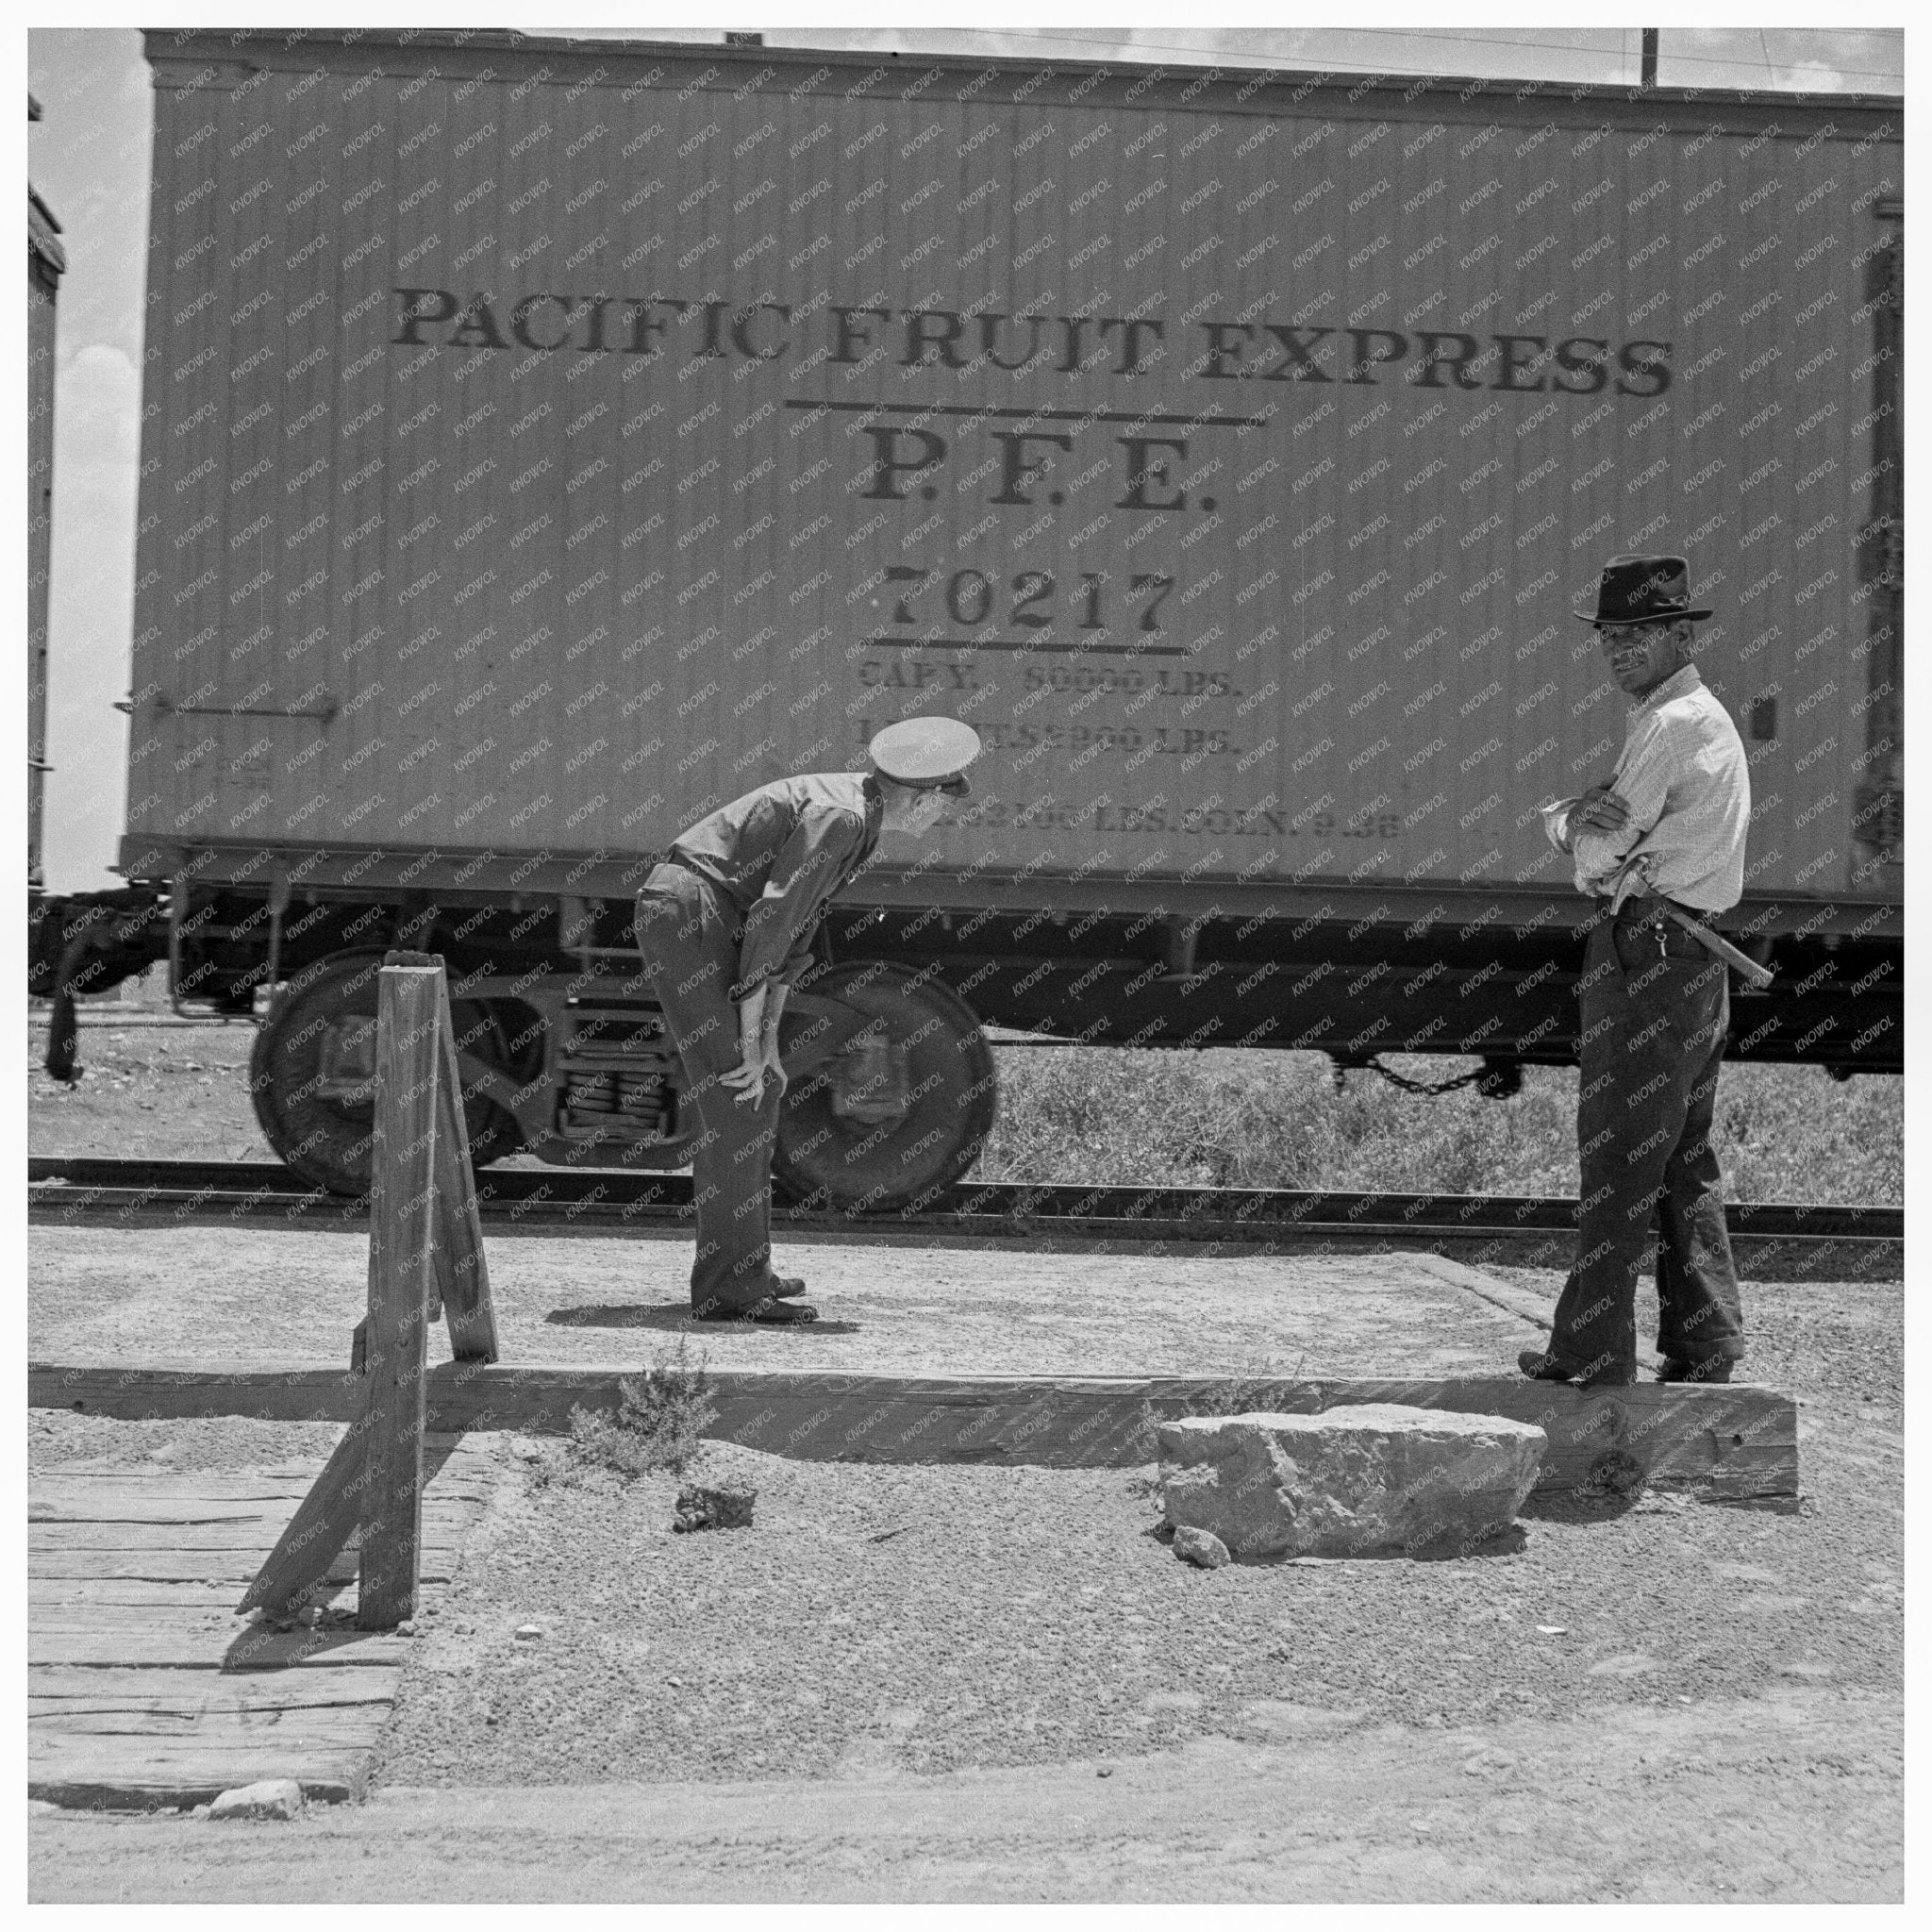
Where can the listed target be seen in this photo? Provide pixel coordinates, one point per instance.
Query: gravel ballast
(879, 1627)
(925, 1620)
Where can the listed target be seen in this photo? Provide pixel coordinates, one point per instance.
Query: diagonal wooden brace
(425, 1257)
(317, 1532)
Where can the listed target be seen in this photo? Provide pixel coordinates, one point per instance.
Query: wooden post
(425, 1253)
(402, 1279)
(463, 1278)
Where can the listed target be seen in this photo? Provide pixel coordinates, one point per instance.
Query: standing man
(725, 926)
(1668, 827)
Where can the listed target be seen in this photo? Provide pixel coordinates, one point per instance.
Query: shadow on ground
(675, 1317)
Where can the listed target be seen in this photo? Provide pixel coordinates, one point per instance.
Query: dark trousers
(688, 935)
(1654, 1026)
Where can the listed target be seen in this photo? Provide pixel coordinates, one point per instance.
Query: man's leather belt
(1650, 911)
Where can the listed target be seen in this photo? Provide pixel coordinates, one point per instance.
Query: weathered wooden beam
(463, 1273)
(108, 1773)
(410, 1003)
(184, 1641)
(199, 1695)
(1733, 1440)
(324, 1521)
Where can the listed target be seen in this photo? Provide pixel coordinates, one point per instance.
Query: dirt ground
(980, 1684)
(995, 1682)
(115, 1293)
(1790, 1798)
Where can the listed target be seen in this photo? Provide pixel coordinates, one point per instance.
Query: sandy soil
(160, 1092)
(142, 1294)
(1789, 1798)
(945, 1618)
(906, 1684)
(979, 1684)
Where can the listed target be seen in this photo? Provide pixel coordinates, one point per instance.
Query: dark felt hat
(1641, 589)
(929, 753)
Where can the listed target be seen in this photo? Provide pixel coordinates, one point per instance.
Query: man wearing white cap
(725, 927)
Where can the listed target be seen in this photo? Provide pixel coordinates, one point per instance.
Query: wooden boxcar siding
(560, 601)
(45, 261)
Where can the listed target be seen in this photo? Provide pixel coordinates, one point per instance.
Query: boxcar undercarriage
(564, 1053)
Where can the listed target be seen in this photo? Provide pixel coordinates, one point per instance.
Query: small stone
(274, 1798)
(528, 1633)
(714, 1505)
(523, 1449)
(407, 1628)
(1614, 1474)
(1626, 1663)
(1200, 1548)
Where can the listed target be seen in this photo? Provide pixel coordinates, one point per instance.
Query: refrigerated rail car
(545, 440)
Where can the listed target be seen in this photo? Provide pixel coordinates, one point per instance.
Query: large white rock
(274, 1798)
(1348, 1482)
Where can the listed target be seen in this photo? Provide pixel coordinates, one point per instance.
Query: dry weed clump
(1153, 1117)
(660, 1424)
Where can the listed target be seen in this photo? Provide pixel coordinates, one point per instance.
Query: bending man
(725, 926)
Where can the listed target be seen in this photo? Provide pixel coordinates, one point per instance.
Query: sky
(89, 160)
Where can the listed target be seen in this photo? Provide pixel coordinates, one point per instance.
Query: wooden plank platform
(1732, 1441)
(144, 1688)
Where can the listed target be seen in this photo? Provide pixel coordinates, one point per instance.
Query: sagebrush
(660, 1420)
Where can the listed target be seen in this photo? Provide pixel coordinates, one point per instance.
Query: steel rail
(551, 1199)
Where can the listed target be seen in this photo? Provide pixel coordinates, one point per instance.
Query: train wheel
(902, 1111)
(312, 1074)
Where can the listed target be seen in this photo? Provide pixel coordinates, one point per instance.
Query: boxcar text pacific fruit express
(544, 442)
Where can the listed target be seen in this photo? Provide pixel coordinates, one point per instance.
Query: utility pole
(1648, 78)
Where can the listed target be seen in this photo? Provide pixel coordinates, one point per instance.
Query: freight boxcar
(46, 261)
(544, 442)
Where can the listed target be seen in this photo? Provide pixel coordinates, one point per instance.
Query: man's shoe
(1541, 1366)
(1714, 1368)
(787, 1286)
(771, 1310)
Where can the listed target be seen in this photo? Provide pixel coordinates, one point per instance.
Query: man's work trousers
(1653, 1024)
(688, 935)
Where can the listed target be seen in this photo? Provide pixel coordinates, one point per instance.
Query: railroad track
(1818, 1240)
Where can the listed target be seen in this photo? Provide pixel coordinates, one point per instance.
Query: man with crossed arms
(1669, 824)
